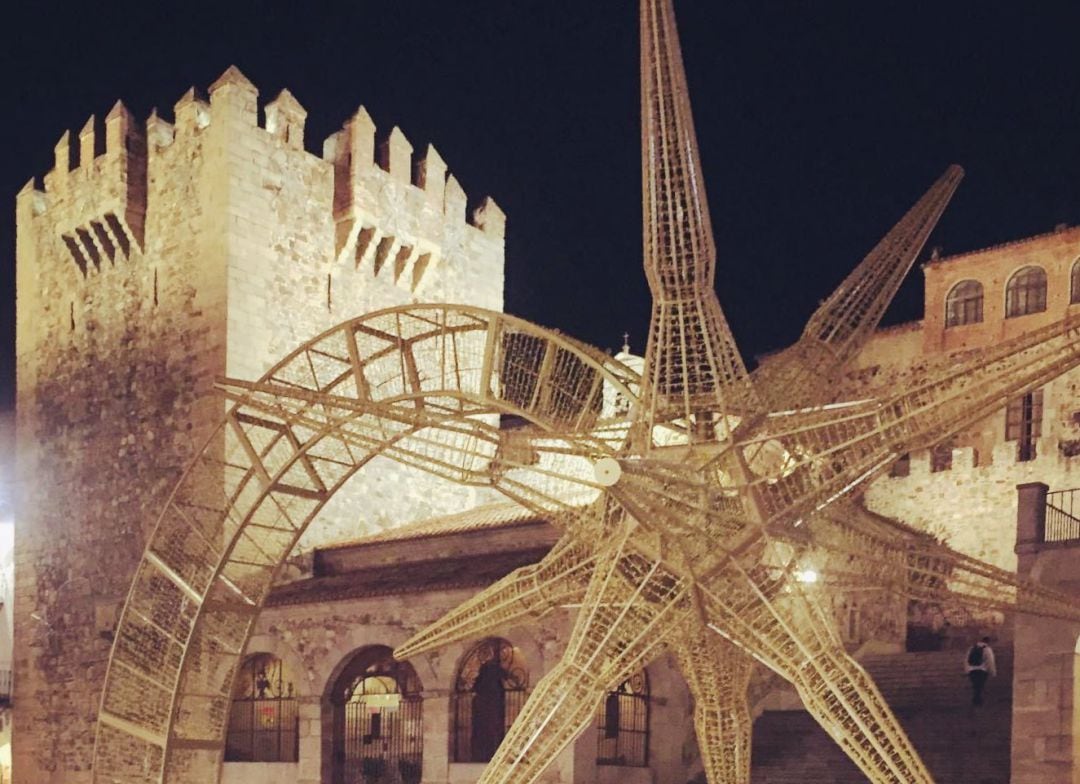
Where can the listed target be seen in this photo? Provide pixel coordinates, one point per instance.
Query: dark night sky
(819, 124)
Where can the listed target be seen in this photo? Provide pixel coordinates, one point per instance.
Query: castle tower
(154, 260)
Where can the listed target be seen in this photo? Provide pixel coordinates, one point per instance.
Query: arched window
(622, 723)
(263, 719)
(1026, 292)
(964, 304)
(490, 689)
(1074, 282)
(378, 733)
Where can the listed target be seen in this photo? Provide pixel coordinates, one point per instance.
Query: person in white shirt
(979, 665)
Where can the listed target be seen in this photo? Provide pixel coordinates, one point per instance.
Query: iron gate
(378, 721)
(383, 743)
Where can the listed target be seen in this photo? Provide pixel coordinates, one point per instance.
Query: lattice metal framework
(685, 519)
(805, 372)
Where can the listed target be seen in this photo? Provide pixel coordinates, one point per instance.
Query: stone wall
(1046, 676)
(153, 261)
(315, 640)
(7, 574)
(972, 505)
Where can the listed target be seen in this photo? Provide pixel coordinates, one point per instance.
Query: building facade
(345, 711)
(304, 704)
(1045, 742)
(965, 492)
(156, 258)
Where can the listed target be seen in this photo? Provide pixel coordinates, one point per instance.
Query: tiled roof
(439, 574)
(480, 518)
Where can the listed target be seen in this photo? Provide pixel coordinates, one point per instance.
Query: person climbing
(979, 665)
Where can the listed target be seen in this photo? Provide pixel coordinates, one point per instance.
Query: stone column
(1044, 721)
(436, 735)
(1030, 515)
(310, 768)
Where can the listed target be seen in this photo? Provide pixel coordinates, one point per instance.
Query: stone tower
(156, 259)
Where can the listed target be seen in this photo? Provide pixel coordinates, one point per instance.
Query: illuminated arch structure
(268, 470)
(687, 516)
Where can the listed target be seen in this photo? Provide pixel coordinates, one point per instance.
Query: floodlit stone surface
(973, 504)
(315, 626)
(154, 260)
(1046, 686)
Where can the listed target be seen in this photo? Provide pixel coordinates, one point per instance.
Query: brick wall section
(185, 251)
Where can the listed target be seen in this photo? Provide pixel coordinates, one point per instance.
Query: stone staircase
(932, 699)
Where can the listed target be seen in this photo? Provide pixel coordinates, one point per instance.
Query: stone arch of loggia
(423, 385)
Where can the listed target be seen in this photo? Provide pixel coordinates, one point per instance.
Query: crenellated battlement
(96, 192)
(390, 212)
(393, 217)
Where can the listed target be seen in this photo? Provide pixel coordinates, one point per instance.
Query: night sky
(819, 124)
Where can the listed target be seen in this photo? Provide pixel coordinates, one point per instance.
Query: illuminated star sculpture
(687, 512)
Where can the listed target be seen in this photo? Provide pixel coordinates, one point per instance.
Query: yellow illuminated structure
(705, 514)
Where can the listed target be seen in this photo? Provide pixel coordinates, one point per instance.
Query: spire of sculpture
(692, 365)
(851, 314)
(803, 373)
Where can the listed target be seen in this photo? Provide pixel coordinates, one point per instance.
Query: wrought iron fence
(477, 729)
(1062, 516)
(489, 692)
(623, 728)
(383, 745)
(263, 730)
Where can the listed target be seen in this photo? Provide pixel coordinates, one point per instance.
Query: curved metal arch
(375, 659)
(512, 663)
(380, 384)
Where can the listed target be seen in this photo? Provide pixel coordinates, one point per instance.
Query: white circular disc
(607, 470)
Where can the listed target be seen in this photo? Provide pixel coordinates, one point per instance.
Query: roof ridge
(496, 514)
(1008, 244)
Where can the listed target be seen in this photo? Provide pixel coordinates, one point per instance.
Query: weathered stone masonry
(972, 504)
(154, 260)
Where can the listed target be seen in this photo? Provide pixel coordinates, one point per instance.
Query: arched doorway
(489, 691)
(623, 724)
(378, 733)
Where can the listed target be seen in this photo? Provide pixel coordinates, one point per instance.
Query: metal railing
(623, 730)
(382, 745)
(1062, 516)
(263, 730)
